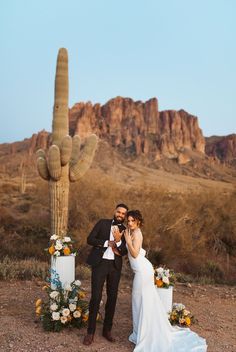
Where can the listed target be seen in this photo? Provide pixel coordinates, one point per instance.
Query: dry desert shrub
(27, 269)
(194, 233)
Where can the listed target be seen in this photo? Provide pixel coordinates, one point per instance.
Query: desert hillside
(156, 161)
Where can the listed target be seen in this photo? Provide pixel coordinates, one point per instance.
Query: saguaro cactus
(65, 162)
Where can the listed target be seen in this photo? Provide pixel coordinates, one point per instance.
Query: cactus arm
(54, 162)
(78, 170)
(42, 168)
(66, 148)
(41, 153)
(75, 149)
(60, 123)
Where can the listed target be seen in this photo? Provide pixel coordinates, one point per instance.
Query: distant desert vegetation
(190, 222)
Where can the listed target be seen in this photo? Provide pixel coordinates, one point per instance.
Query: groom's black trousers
(104, 271)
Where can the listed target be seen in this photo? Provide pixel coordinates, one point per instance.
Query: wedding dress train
(152, 331)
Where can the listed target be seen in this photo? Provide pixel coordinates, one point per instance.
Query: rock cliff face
(29, 145)
(223, 148)
(133, 127)
(139, 128)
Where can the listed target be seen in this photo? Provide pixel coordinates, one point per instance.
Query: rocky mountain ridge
(139, 129)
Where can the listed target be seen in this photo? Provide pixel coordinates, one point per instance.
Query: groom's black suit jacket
(97, 237)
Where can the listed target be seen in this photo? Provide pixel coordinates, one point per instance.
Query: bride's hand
(128, 237)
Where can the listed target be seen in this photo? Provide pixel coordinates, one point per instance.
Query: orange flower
(187, 321)
(81, 295)
(45, 287)
(85, 318)
(66, 251)
(159, 283)
(51, 250)
(38, 310)
(38, 303)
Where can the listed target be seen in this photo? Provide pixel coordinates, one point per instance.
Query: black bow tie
(115, 222)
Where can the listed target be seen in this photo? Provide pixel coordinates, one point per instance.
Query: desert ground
(213, 306)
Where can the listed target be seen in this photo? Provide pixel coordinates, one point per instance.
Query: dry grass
(27, 269)
(193, 232)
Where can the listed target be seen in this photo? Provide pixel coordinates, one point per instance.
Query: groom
(105, 259)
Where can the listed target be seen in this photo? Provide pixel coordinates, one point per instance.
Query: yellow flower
(187, 321)
(66, 251)
(51, 250)
(159, 283)
(38, 303)
(85, 318)
(38, 310)
(81, 295)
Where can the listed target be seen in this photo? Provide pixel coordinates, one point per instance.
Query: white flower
(165, 280)
(160, 270)
(72, 307)
(67, 287)
(58, 245)
(186, 312)
(179, 307)
(65, 312)
(54, 294)
(55, 316)
(54, 237)
(57, 253)
(63, 320)
(77, 282)
(167, 272)
(77, 314)
(67, 239)
(53, 307)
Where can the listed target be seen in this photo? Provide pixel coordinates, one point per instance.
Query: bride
(152, 331)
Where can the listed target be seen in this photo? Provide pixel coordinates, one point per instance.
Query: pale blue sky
(181, 51)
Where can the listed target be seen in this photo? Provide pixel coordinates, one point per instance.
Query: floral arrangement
(60, 246)
(164, 277)
(180, 315)
(64, 306)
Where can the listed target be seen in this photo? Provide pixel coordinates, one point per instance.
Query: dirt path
(213, 306)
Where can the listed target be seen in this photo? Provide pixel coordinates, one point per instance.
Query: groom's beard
(117, 220)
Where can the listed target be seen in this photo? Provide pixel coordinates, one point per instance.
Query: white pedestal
(65, 268)
(166, 296)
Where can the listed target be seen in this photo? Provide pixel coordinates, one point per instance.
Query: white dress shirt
(109, 254)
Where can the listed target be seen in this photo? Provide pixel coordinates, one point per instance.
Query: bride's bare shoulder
(138, 233)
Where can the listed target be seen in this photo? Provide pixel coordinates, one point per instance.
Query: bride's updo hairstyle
(136, 215)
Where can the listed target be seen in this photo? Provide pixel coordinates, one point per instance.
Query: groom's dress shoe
(107, 335)
(88, 339)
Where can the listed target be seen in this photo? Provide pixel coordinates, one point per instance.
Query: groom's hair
(122, 205)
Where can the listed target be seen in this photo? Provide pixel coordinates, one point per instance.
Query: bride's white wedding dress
(152, 331)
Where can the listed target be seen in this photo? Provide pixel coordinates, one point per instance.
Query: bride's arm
(135, 244)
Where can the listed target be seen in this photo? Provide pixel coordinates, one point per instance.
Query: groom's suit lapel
(107, 229)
